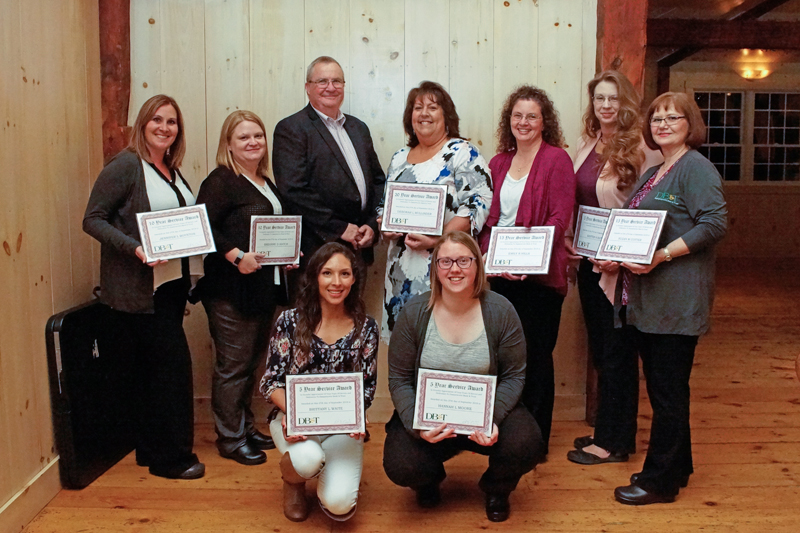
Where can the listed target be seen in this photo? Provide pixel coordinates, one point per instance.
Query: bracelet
(238, 259)
(667, 254)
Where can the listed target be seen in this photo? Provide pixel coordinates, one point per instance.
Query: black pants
(162, 368)
(410, 461)
(539, 310)
(617, 364)
(667, 363)
(240, 342)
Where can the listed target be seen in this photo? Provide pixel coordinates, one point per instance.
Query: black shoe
(582, 442)
(196, 471)
(585, 458)
(256, 439)
(684, 481)
(428, 496)
(636, 495)
(246, 455)
(497, 507)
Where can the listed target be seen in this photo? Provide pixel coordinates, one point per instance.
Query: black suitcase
(91, 392)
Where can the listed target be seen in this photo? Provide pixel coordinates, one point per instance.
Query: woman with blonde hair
(239, 295)
(611, 156)
(148, 318)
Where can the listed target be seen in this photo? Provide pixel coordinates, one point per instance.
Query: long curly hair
(551, 129)
(309, 310)
(623, 151)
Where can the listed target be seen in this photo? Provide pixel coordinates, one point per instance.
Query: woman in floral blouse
(328, 332)
(436, 154)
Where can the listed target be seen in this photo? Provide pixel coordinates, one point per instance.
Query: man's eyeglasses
(446, 263)
(321, 84)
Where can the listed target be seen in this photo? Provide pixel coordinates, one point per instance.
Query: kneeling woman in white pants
(327, 332)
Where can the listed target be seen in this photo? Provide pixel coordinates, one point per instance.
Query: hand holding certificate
(174, 233)
(276, 238)
(589, 228)
(631, 235)
(519, 250)
(414, 208)
(325, 404)
(465, 402)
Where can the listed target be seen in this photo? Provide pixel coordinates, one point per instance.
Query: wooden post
(115, 65)
(622, 38)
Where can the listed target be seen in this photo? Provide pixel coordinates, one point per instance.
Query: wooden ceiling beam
(728, 34)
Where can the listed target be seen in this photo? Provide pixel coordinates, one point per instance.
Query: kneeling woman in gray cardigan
(460, 326)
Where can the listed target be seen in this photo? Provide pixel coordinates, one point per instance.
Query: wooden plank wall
(220, 55)
(51, 149)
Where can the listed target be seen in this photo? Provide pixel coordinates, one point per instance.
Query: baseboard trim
(23, 507)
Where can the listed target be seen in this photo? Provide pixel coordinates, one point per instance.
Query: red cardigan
(548, 200)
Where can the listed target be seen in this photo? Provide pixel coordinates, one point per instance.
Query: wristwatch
(667, 255)
(238, 259)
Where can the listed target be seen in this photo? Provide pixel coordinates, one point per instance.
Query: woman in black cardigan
(239, 295)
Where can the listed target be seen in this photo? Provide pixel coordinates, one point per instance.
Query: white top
(336, 127)
(161, 196)
(510, 195)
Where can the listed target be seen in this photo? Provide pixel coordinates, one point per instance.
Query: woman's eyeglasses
(669, 120)
(446, 263)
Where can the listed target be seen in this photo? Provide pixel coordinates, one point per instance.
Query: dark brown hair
(309, 310)
(174, 155)
(480, 286)
(686, 106)
(551, 130)
(436, 93)
(623, 151)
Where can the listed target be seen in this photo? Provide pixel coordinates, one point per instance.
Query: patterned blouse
(356, 351)
(461, 167)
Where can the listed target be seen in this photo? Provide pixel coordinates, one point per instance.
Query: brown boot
(295, 505)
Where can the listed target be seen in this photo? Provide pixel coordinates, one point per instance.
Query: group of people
(441, 310)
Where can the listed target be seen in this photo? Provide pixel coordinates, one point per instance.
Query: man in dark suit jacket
(326, 167)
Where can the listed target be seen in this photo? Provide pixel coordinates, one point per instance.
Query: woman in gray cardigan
(148, 300)
(459, 326)
(664, 307)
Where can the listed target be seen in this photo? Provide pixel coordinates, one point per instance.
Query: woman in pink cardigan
(611, 157)
(534, 185)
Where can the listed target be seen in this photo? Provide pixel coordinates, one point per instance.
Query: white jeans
(336, 459)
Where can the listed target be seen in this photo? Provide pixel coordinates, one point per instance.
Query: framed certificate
(277, 238)
(520, 250)
(589, 229)
(465, 402)
(325, 404)
(173, 233)
(631, 235)
(414, 208)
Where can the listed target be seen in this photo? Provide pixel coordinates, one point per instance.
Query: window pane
(760, 172)
(717, 101)
(761, 154)
(733, 154)
(702, 100)
(760, 136)
(732, 136)
(762, 101)
(792, 119)
(716, 135)
(734, 100)
(732, 118)
(793, 101)
(792, 172)
(792, 136)
(732, 173)
(777, 136)
(777, 101)
(761, 119)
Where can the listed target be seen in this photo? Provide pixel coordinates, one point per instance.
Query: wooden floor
(745, 431)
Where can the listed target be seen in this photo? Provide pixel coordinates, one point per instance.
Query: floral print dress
(461, 167)
(355, 352)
